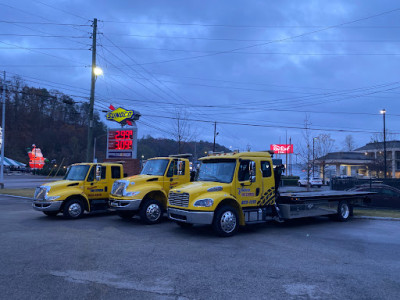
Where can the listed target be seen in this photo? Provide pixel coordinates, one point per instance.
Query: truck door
(176, 174)
(268, 184)
(248, 188)
(97, 190)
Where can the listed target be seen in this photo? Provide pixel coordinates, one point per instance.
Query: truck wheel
(126, 214)
(344, 211)
(73, 209)
(51, 213)
(226, 221)
(151, 212)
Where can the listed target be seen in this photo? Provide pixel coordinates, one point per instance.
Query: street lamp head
(97, 71)
(383, 111)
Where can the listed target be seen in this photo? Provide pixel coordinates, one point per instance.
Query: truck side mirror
(252, 171)
(98, 172)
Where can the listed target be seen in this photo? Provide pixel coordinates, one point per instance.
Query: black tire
(73, 209)
(51, 213)
(127, 215)
(226, 221)
(184, 225)
(151, 212)
(319, 186)
(343, 211)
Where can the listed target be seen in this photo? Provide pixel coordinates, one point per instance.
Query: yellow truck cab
(85, 187)
(147, 193)
(226, 185)
(242, 188)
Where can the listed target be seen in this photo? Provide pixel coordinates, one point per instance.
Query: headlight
(130, 194)
(41, 192)
(51, 198)
(204, 202)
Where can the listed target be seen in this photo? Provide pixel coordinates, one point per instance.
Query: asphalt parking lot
(104, 257)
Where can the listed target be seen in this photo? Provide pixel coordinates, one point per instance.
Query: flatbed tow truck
(235, 189)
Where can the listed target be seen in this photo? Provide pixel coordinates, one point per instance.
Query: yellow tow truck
(85, 187)
(233, 189)
(146, 194)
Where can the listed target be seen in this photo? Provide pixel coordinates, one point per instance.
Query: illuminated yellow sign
(119, 115)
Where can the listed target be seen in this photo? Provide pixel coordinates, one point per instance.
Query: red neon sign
(282, 148)
(120, 139)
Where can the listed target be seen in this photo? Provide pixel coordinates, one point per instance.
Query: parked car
(386, 196)
(315, 181)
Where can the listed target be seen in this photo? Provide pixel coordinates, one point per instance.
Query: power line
(64, 11)
(264, 53)
(43, 23)
(272, 126)
(40, 52)
(46, 36)
(279, 40)
(46, 48)
(240, 26)
(149, 73)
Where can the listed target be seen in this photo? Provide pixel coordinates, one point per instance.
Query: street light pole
(383, 112)
(3, 125)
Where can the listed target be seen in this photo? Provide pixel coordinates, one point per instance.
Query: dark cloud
(342, 69)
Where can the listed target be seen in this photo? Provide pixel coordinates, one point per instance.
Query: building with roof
(359, 162)
(365, 161)
(374, 151)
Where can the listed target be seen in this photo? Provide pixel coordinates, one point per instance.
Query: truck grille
(179, 199)
(118, 188)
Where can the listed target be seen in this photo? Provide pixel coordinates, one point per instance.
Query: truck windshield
(77, 173)
(217, 170)
(155, 167)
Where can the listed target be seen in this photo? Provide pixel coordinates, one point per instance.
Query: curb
(13, 196)
(377, 218)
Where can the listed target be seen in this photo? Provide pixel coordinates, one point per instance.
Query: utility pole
(92, 89)
(215, 134)
(383, 112)
(286, 159)
(3, 127)
(290, 159)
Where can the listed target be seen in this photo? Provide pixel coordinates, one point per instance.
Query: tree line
(57, 124)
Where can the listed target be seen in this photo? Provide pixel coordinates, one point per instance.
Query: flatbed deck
(308, 204)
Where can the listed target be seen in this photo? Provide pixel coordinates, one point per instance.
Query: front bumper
(192, 217)
(125, 204)
(41, 205)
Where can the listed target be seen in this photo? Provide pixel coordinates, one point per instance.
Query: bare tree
(306, 149)
(324, 144)
(378, 137)
(349, 144)
(181, 129)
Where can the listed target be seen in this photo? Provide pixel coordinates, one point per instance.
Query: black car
(386, 196)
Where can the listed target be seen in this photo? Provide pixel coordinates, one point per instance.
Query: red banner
(282, 148)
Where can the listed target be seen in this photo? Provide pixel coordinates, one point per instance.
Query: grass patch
(18, 192)
(368, 212)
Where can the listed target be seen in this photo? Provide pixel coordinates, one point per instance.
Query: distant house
(358, 161)
(365, 161)
(374, 151)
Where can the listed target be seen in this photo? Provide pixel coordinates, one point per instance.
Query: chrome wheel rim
(344, 210)
(228, 221)
(153, 212)
(74, 210)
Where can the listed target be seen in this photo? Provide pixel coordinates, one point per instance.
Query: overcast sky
(264, 63)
